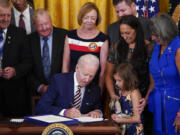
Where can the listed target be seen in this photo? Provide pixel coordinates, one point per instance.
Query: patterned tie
(1, 35)
(21, 21)
(77, 98)
(46, 59)
(1, 46)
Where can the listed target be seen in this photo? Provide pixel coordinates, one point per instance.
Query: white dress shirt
(75, 89)
(26, 18)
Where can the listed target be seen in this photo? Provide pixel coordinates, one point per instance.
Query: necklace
(131, 50)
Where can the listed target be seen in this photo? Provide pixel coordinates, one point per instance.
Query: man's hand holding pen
(72, 113)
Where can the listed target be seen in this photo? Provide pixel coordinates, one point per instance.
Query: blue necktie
(46, 59)
(1, 40)
(77, 98)
(1, 35)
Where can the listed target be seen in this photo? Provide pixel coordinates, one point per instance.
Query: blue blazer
(60, 95)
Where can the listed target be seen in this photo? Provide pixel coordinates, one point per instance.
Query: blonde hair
(85, 9)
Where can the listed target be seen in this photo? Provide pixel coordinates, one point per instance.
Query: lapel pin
(169, 49)
(9, 37)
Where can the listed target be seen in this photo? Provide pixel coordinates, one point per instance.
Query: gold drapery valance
(64, 12)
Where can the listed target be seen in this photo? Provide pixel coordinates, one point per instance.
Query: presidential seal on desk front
(57, 129)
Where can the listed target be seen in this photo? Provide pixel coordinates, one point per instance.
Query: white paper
(84, 119)
(50, 118)
(17, 120)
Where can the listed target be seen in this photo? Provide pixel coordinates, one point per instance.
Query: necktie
(21, 21)
(1, 46)
(77, 98)
(46, 59)
(1, 35)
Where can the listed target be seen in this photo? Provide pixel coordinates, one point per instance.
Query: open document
(49, 119)
(84, 119)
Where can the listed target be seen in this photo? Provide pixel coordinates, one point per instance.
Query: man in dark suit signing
(15, 63)
(62, 95)
(47, 46)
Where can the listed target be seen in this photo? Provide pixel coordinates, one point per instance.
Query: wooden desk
(81, 129)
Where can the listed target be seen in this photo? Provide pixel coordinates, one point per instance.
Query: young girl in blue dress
(127, 112)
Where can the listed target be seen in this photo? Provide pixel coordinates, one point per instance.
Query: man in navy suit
(15, 62)
(59, 97)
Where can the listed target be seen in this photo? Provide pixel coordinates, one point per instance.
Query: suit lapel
(31, 19)
(9, 38)
(7, 42)
(37, 52)
(70, 94)
(12, 17)
(54, 51)
(85, 97)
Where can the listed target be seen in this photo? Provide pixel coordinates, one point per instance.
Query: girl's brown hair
(128, 75)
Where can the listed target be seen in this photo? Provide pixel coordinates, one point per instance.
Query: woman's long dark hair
(139, 50)
(139, 58)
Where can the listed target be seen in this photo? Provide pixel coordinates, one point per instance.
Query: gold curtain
(64, 12)
(164, 6)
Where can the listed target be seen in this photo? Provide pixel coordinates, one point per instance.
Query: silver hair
(5, 3)
(39, 12)
(88, 59)
(164, 27)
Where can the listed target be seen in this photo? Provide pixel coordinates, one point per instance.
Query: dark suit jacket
(31, 19)
(114, 33)
(60, 95)
(13, 92)
(37, 77)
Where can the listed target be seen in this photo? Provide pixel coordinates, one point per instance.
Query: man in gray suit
(22, 15)
(126, 7)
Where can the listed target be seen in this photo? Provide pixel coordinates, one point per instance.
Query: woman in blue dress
(164, 91)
